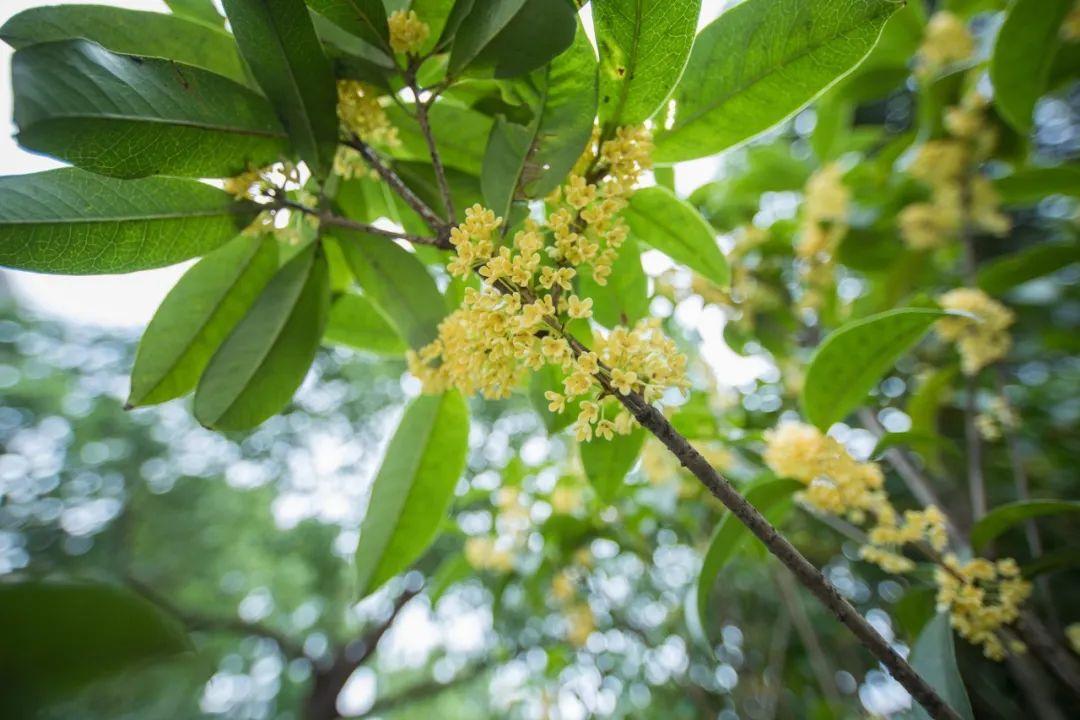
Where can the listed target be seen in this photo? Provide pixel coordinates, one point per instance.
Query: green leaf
(73, 222)
(607, 462)
(934, 658)
(200, 10)
(730, 534)
(56, 636)
(1003, 517)
(413, 488)
(564, 120)
(539, 31)
(365, 19)
(926, 444)
(787, 54)
(460, 135)
(131, 32)
(1005, 273)
(278, 41)
(485, 20)
(197, 315)
(129, 116)
(925, 402)
(397, 283)
(550, 378)
(625, 298)
(1023, 55)
(1052, 562)
(660, 219)
(852, 360)
(644, 46)
(263, 361)
(436, 13)
(357, 323)
(508, 146)
(1030, 185)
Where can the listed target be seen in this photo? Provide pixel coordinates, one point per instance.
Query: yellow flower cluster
(999, 416)
(518, 320)
(982, 335)
(946, 40)
(1070, 27)
(407, 31)
(824, 224)
(982, 597)
(485, 553)
(361, 114)
(580, 624)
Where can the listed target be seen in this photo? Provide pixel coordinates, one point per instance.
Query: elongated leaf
(644, 46)
(1030, 185)
(660, 219)
(853, 359)
(131, 32)
(356, 322)
(486, 20)
(263, 361)
(365, 19)
(759, 63)
(564, 120)
(436, 13)
(197, 315)
(625, 298)
(460, 135)
(399, 284)
(1006, 516)
(538, 32)
(607, 462)
(278, 41)
(925, 402)
(73, 222)
(1052, 562)
(130, 117)
(56, 636)
(729, 536)
(504, 160)
(1002, 274)
(201, 10)
(414, 487)
(934, 658)
(1023, 55)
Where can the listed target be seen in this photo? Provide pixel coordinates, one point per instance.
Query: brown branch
(1049, 651)
(328, 218)
(808, 575)
(425, 690)
(391, 178)
(436, 161)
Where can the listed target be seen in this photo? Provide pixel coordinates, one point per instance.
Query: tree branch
(976, 481)
(436, 161)
(1044, 646)
(327, 218)
(425, 690)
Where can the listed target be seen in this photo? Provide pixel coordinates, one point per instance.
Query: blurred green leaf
(607, 462)
(355, 322)
(934, 658)
(1030, 185)
(413, 488)
(129, 116)
(265, 358)
(72, 222)
(1004, 517)
(660, 219)
(625, 298)
(1004, 273)
(200, 10)
(852, 359)
(197, 315)
(366, 19)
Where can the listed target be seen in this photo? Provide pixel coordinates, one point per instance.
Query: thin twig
(1045, 646)
(327, 218)
(975, 478)
(774, 673)
(436, 160)
(818, 663)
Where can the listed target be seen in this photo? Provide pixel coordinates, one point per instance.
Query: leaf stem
(327, 218)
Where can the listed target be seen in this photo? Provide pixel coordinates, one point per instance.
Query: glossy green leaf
(607, 462)
(508, 147)
(279, 43)
(787, 54)
(200, 10)
(934, 658)
(660, 219)
(56, 636)
(852, 359)
(397, 283)
(436, 13)
(485, 20)
(925, 402)
(564, 120)
(1023, 55)
(1005, 273)
(74, 222)
(625, 298)
(1004, 517)
(644, 46)
(550, 378)
(355, 322)
(460, 135)
(263, 361)
(1030, 185)
(538, 32)
(131, 32)
(128, 116)
(197, 315)
(365, 19)
(730, 534)
(413, 488)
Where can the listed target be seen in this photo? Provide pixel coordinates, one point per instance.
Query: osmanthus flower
(824, 225)
(518, 320)
(946, 40)
(361, 112)
(982, 333)
(982, 596)
(407, 31)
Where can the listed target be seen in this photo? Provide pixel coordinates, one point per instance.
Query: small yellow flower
(407, 31)
(556, 401)
(578, 308)
(623, 380)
